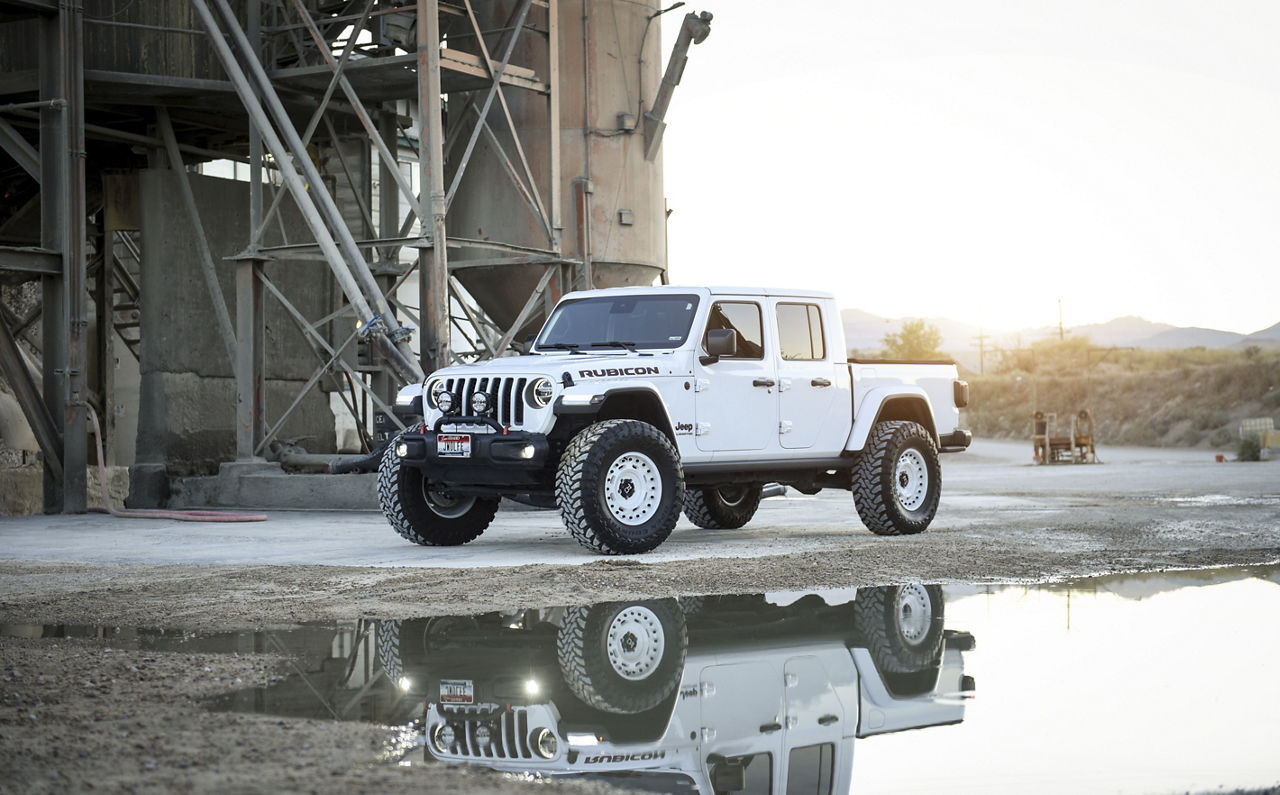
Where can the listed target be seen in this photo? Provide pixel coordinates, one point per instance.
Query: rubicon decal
(613, 372)
(604, 759)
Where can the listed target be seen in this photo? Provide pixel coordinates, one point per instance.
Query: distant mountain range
(865, 332)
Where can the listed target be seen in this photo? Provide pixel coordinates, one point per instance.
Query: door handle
(770, 728)
(827, 720)
(820, 382)
(764, 382)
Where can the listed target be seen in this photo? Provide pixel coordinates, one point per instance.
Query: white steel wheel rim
(635, 643)
(911, 479)
(633, 488)
(446, 506)
(914, 611)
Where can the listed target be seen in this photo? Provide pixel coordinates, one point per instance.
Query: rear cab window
(800, 334)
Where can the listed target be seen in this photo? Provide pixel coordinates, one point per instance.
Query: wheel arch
(625, 403)
(881, 405)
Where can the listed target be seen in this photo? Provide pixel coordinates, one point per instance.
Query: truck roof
(769, 292)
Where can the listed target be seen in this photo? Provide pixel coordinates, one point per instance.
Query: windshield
(620, 322)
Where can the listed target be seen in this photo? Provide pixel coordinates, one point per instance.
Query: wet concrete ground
(992, 485)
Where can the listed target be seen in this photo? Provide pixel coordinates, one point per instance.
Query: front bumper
(499, 459)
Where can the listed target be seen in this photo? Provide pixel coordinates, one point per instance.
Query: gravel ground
(76, 715)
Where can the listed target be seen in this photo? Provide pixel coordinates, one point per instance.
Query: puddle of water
(1145, 683)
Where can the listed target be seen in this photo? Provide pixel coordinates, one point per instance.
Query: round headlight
(544, 740)
(480, 402)
(445, 401)
(483, 734)
(433, 391)
(540, 392)
(442, 738)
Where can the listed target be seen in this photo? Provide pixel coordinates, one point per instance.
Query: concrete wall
(187, 408)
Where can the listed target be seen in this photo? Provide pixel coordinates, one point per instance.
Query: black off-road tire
(897, 479)
(387, 636)
(403, 497)
(722, 507)
(583, 646)
(615, 470)
(901, 626)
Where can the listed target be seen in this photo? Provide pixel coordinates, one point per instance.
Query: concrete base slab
(264, 485)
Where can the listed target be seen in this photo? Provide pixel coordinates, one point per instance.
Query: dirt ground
(76, 715)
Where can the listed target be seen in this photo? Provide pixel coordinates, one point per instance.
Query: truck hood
(579, 366)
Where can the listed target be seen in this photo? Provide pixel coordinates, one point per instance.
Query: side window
(809, 770)
(800, 332)
(743, 317)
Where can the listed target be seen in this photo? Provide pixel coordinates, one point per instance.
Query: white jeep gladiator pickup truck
(635, 403)
(715, 694)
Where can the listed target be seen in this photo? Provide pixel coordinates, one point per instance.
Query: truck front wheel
(722, 507)
(620, 487)
(897, 480)
(623, 657)
(427, 515)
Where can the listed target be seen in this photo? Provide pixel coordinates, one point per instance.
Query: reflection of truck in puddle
(714, 694)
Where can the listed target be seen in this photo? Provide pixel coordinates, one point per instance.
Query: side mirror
(720, 342)
(728, 776)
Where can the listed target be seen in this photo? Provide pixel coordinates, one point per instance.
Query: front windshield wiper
(572, 347)
(630, 346)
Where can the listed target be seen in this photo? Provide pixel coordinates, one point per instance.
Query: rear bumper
(955, 442)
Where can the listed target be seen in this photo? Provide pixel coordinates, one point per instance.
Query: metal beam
(36, 261)
(356, 105)
(19, 149)
(33, 408)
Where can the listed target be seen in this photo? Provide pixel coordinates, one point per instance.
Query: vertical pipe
(104, 297)
(433, 265)
(554, 197)
(250, 329)
(54, 230)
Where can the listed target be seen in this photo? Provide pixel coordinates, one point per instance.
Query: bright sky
(981, 159)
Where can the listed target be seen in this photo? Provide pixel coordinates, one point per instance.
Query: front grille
(505, 394)
(508, 732)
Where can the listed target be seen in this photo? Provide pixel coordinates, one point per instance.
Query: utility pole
(982, 350)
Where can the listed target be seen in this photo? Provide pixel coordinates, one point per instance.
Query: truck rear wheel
(620, 487)
(427, 515)
(623, 657)
(897, 480)
(722, 507)
(901, 626)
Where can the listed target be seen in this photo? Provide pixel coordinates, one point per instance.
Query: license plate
(457, 691)
(453, 445)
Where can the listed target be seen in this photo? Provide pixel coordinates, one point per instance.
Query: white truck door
(808, 382)
(743, 722)
(814, 725)
(734, 402)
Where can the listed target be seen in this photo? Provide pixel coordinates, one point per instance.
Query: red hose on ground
(153, 513)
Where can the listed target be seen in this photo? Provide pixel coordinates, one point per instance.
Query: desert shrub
(1221, 437)
(1190, 437)
(1272, 399)
(1205, 419)
(1249, 449)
